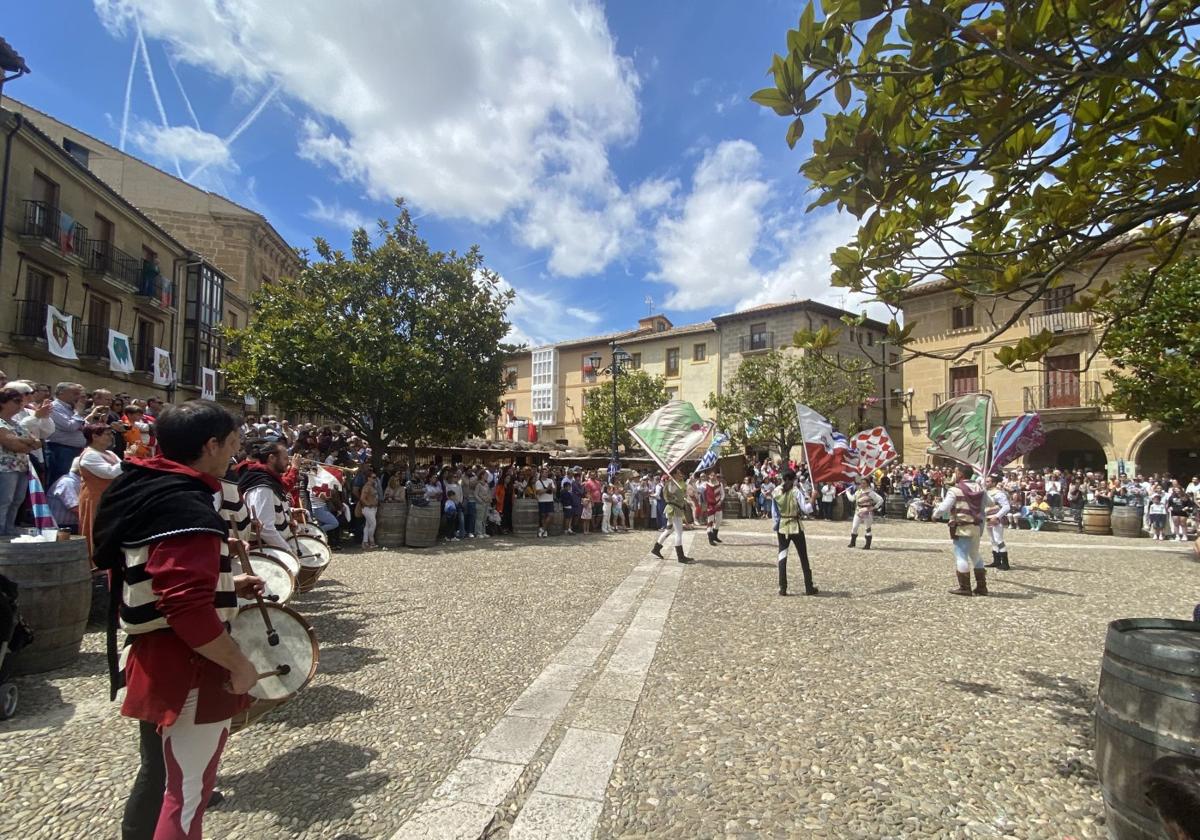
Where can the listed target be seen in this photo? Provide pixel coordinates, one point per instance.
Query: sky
(605, 157)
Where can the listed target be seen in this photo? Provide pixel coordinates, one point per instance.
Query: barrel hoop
(1146, 736)
(1156, 686)
(1119, 642)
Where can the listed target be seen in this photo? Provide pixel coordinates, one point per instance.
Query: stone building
(238, 245)
(68, 240)
(1067, 389)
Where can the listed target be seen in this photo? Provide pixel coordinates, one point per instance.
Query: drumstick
(272, 635)
(281, 671)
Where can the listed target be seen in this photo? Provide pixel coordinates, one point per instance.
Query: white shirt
(93, 461)
(261, 502)
(545, 489)
(38, 427)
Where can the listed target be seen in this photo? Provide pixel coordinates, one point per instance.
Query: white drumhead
(277, 580)
(297, 649)
(313, 553)
(285, 557)
(307, 529)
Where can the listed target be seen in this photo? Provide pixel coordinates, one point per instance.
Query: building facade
(1067, 389)
(71, 242)
(548, 386)
(235, 250)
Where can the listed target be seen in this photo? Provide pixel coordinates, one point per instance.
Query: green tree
(397, 341)
(997, 145)
(759, 401)
(638, 394)
(1154, 345)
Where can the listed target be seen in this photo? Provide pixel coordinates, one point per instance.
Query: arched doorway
(1172, 453)
(1068, 449)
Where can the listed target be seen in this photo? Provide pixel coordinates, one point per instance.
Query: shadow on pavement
(896, 588)
(308, 784)
(979, 689)
(320, 703)
(1070, 700)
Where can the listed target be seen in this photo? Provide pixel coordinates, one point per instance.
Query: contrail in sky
(162, 112)
(128, 94)
(243, 125)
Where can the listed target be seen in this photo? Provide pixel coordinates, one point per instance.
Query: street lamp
(619, 358)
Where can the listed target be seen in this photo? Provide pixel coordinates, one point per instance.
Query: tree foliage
(397, 341)
(759, 402)
(997, 145)
(1154, 345)
(638, 394)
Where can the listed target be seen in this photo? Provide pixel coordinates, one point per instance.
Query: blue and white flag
(713, 454)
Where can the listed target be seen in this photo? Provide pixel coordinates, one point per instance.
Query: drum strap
(116, 677)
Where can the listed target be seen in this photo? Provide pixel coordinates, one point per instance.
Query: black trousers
(146, 797)
(801, 549)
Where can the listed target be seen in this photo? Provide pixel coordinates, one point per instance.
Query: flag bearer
(790, 503)
(866, 502)
(675, 496)
(996, 519)
(965, 503)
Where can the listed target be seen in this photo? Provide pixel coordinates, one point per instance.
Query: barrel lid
(1172, 643)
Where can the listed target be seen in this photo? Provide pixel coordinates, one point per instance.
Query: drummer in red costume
(158, 531)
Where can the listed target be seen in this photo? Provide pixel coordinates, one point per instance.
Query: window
(758, 336)
(964, 380)
(202, 318)
(699, 352)
(510, 378)
(45, 190)
(660, 326)
(542, 389)
(510, 406)
(635, 361)
(95, 330)
(894, 361)
(870, 339)
(144, 351)
(589, 365)
(103, 229)
(962, 317)
(1062, 381)
(231, 319)
(672, 361)
(1058, 299)
(80, 153)
(39, 286)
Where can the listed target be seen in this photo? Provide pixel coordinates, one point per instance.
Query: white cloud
(584, 315)
(473, 110)
(705, 252)
(335, 214)
(540, 318)
(185, 144)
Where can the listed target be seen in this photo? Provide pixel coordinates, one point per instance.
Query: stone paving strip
(882, 535)
(569, 796)
(465, 804)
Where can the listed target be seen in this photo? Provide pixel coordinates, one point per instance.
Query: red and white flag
(828, 453)
(874, 449)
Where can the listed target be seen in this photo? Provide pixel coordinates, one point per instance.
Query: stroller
(14, 635)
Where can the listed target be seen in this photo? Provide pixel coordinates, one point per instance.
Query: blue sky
(599, 154)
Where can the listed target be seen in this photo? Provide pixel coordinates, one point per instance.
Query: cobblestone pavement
(525, 689)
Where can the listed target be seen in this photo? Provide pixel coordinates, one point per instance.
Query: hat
(20, 387)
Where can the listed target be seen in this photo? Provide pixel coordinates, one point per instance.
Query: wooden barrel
(421, 525)
(733, 506)
(54, 596)
(556, 521)
(1147, 706)
(391, 518)
(843, 508)
(1096, 520)
(894, 505)
(1127, 520)
(525, 517)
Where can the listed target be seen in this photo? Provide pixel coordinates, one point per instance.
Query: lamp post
(619, 357)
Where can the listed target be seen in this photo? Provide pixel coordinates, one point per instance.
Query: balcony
(1079, 397)
(56, 236)
(30, 321)
(143, 358)
(91, 341)
(756, 342)
(154, 288)
(107, 262)
(1060, 322)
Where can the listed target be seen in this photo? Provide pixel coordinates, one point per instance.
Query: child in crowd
(450, 517)
(137, 434)
(606, 517)
(618, 509)
(1156, 512)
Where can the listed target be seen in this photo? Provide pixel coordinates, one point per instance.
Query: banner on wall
(163, 375)
(208, 384)
(60, 340)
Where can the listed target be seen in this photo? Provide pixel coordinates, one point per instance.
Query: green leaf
(842, 91)
(772, 98)
(795, 131)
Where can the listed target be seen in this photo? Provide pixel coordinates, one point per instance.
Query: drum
(314, 557)
(279, 584)
(307, 529)
(251, 715)
(278, 554)
(287, 666)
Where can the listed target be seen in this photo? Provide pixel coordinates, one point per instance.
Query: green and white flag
(120, 357)
(961, 429)
(671, 433)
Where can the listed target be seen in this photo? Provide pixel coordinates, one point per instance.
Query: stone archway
(1172, 453)
(1068, 449)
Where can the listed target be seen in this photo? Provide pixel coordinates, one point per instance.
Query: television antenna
(649, 301)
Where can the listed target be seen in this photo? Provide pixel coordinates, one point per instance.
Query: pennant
(66, 232)
(873, 450)
(60, 339)
(120, 357)
(43, 520)
(713, 454)
(163, 375)
(208, 384)
(671, 433)
(960, 429)
(827, 453)
(1016, 438)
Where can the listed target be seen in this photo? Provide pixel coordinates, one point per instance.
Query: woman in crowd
(15, 445)
(368, 504)
(98, 466)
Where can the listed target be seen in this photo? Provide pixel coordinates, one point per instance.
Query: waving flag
(874, 449)
(1016, 438)
(713, 454)
(42, 518)
(671, 433)
(827, 452)
(960, 429)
